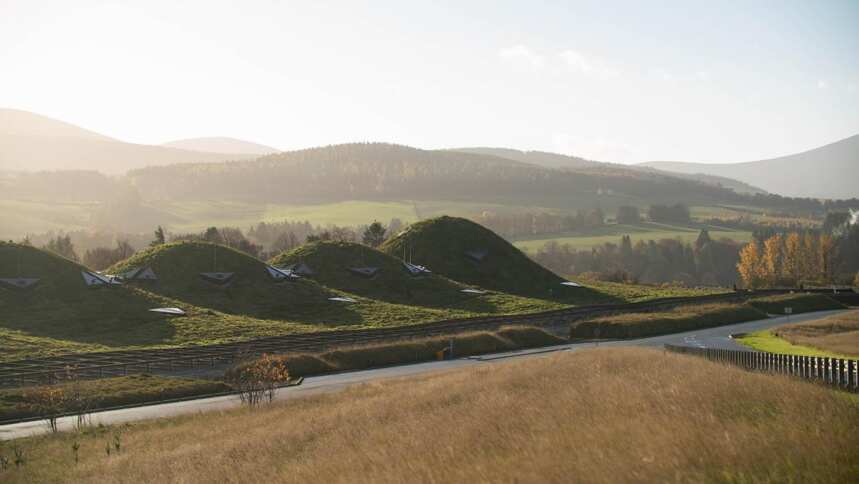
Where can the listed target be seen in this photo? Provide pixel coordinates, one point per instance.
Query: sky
(621, 81)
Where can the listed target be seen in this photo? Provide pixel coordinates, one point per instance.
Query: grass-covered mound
(253, 292)
(62, 314)
(58, 277)
(442, 244)
(331, 262)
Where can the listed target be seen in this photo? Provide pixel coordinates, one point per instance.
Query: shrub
(258, 378)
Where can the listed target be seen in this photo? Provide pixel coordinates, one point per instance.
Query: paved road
(705, 338)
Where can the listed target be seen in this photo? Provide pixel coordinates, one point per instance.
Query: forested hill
(377, 171)
(556, 160)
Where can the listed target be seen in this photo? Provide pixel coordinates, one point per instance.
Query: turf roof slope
(252, 292)
(393, 284)
(331, 261)
(441, 243)
(62, 314)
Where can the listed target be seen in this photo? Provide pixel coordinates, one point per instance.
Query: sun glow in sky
(612, 81)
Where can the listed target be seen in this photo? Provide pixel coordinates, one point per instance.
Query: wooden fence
(842, 373)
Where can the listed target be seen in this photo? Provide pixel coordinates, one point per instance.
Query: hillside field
(603, 416)
(583, 240)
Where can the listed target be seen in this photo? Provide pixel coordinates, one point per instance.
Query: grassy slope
(631, 415)
(110, 392)
(417, 350)
(836, 336)
(683, 318)
(63, 316)
(331, 262)
(769, 342)
(440, 244)
(690, 317)
(799, 303)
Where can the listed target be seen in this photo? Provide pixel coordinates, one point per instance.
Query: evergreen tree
(63, 246)
(159, 237)
(374, 235)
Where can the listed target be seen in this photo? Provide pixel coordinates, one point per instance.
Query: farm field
(646, 415)
(644, 231)
(20, 217)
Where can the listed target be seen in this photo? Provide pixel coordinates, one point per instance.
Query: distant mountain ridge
(221, 144)
(829, 171)
(381, 171)
(31, 142)
(559, 161)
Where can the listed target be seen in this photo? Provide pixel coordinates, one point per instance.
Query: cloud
(821, 84)
(588, 65)
(522, 56)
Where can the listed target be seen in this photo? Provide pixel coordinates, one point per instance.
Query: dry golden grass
(613, 415)
(837, 334)
(681, 318)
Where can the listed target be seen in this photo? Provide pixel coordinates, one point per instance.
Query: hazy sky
(614, 81)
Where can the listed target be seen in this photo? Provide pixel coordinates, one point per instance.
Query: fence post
(839, 365)
(851, 376)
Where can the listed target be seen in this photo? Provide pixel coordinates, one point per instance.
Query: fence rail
(114, 363)
(842, 373)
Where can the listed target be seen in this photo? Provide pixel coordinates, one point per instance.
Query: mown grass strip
(771, 343)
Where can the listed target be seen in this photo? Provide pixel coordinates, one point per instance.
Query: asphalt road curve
(718, 337)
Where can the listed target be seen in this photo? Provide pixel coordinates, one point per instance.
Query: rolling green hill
(61, 314)
(252, 291)
(443, 243)
(332, 260)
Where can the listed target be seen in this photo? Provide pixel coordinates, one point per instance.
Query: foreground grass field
(630, 415)
(836, 336)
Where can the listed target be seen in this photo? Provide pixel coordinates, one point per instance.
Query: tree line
(705, 262)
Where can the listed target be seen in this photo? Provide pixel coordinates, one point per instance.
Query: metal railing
(842, 373)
